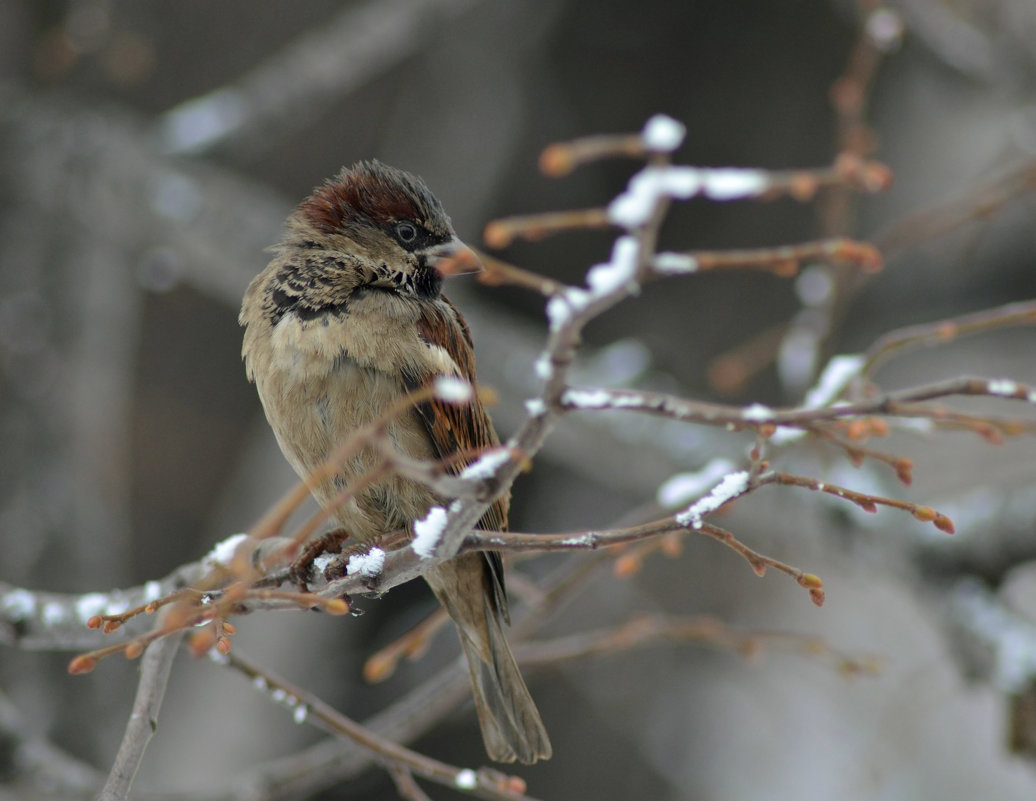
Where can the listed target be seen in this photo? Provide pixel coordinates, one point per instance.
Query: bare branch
(307, 707)
(143, 721)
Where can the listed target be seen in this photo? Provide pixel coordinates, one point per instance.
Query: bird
(348, 318)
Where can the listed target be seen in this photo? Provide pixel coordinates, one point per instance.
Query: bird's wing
(462, 427)
(457, 427)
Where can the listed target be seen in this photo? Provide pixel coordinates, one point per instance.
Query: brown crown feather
(372, 192)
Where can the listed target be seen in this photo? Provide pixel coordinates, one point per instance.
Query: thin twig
(143, 721)
(307, 707)
(650, 630)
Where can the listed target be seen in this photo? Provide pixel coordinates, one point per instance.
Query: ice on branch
(466, 779)
(836, 376)
(885, 29)
(452, 389)
(535, 407)
(1003, 387)
(733, 183)
(561, 307)
(618, 272)
(17, 605)
(54, 614)
(730, 487)
(428, 531)
(368, 564)
(669, 263)
(633, 208)
(542, 367)
(92, 604)
(599, 399)
(757, 413)
(487, 464)
(603, 279)
(663, 134)
(223, 553)
(683, 487)
(840, 370)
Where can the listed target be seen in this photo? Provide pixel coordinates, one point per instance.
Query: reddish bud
(379, 667)
(989, 433)
(803, 186)
(847, 95)
(336, 606)
(626, 565)
(95, 622)
(817, 597)
(857, 430)
(876, 176)
(557, 160)
(943, 523)
(82, 664)
(672, 545)
(133, 649)
(497, 235)
(926, 514)
(201, 641)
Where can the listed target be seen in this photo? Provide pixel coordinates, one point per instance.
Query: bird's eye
(406, 232)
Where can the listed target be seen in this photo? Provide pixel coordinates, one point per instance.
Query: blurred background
(150, 151)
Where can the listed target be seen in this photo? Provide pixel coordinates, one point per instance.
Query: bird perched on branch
(347, 319)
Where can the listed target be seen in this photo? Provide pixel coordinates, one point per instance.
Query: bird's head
(389, 218)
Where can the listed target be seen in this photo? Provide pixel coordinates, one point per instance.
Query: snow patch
(368, 564)
(487, 464)
(840, 370)
(18, 605)
(466, 779)
(670, 263)
(452, 389)
(663, 134)
(428, 531)
(1003, 387)
(223, 553)
(684, 487)
(730, 487)
(93, 603)
(757, 413)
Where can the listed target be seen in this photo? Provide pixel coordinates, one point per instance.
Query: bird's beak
(454, 258)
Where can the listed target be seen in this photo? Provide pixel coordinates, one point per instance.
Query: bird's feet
(326, 545)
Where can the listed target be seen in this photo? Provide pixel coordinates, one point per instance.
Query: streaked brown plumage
(346, 319)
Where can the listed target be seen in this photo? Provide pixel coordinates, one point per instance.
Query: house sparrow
(345, 320)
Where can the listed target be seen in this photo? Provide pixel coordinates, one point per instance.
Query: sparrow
(347, 319)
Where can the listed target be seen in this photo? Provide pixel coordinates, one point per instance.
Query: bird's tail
(511, 725)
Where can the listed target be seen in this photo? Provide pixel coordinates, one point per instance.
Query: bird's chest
(314, 412)
(318, 397)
